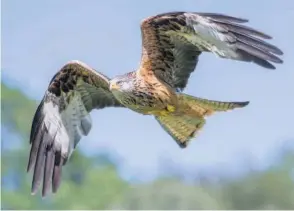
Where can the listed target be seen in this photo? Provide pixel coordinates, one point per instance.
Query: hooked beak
(113, 86)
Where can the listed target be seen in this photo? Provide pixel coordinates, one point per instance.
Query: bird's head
(122, 84)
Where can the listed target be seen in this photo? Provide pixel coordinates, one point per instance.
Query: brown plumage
(171, 46)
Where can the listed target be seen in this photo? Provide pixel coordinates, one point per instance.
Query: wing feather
(172, 43)
(222, 17)
(62, 118)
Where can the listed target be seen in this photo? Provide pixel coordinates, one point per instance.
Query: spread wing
(62, 118)
(172, 43)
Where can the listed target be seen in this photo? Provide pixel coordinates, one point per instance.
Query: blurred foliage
(16, 110)
(95, 183)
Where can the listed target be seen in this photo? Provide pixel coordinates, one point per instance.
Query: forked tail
(190, 117)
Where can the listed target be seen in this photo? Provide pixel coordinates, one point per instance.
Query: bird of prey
(171, 46)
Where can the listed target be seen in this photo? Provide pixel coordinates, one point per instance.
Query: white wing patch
(68, 126)
(208, 36)
(55, 127)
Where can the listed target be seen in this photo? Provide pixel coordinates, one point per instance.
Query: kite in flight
(171, 45)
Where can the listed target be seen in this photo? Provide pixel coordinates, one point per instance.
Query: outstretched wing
(172, 43)
(62, 118)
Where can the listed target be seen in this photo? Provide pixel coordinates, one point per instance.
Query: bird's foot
(170, 108)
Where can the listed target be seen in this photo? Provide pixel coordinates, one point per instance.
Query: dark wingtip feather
(259, 53)
(263, 63)
(57, 172)
(38, 168)
(219, 16)
(232, 23)
(48, 162)
(34, 151)
(36, 135)
(253, 41)
(245, 56)
(252, 48)
(38, 117)
(48, 171)
(238, 28)
(278, 51)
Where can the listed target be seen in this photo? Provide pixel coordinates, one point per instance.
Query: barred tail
(190, 117)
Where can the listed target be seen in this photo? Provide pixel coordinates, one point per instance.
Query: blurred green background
(95, 182)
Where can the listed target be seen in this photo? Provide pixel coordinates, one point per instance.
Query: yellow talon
(165, 112)
(170, 108)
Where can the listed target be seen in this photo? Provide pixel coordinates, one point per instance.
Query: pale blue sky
(38, 37)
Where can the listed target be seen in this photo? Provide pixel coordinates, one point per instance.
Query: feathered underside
(172, 43)
(62, 118)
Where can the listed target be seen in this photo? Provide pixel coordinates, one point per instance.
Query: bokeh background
(242, 159)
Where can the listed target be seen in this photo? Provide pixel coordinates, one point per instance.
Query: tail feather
(189, 119)
(204, 107)
(181, 128)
